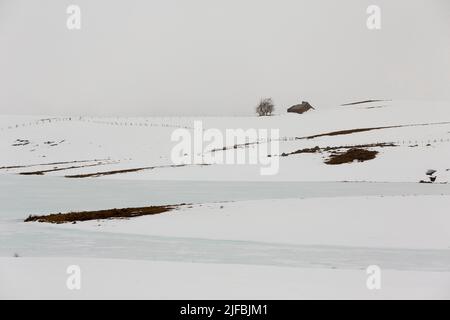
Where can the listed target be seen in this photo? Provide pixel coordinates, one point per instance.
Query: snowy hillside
(346, 197)
(410, 138)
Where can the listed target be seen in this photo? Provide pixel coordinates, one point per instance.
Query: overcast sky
(192, 57)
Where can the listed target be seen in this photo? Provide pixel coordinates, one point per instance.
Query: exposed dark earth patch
(53, 143)
(243, 145)
(361, 102)
(50, 164)
(357, 130)
(306, 150)
(112, 172)
(73, 217)
(42, 172)
(317, 149)
(376, 107)
(354, 154)
(20, 143)
(369, 145)
(108, 173)
(25, 142)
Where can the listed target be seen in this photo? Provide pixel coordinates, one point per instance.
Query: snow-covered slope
(45, 278)
(419, 131)
(325, 244)
(406, 222)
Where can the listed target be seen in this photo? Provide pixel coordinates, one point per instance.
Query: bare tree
(265, 107)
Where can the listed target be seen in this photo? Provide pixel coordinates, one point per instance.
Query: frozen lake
(24, 195)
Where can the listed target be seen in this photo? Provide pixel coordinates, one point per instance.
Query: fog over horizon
(218, 57)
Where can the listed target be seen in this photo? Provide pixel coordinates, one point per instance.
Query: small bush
(265, 107)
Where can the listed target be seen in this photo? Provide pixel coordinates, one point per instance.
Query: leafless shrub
(265, 107)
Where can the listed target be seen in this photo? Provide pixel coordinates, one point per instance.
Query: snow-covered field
(414, 222)
(83, 145)
(45, 278)
(233, 240)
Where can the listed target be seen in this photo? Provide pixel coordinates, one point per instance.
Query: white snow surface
(341, 235)
(414, 222)
(422, 142)
(45, 278)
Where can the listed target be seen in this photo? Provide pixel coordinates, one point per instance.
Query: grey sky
(191, 57)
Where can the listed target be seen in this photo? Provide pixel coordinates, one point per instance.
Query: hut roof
(301, 108)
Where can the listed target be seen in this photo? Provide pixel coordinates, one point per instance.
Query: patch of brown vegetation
(317, 149)
(42, 172)
(21, 142)
(306, 150)
(376, 107)
(51, 164)
(357, 130)
(124, 213)
(361, 102)
(351, 155)
(344, 132)
(242, 145)
(108, 173)
(369, 145)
